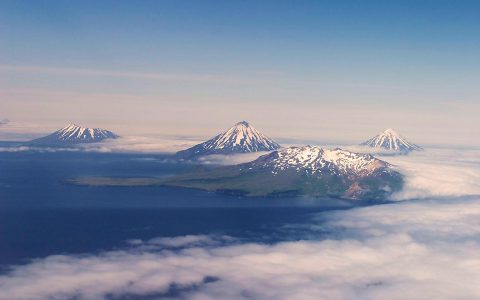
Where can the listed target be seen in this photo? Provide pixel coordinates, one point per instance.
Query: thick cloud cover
(438, 172)
(434, 172)
(408, 250)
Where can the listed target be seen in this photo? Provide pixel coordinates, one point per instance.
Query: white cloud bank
(438, 173)
(407, 250)
(130, 144)
(136, 144)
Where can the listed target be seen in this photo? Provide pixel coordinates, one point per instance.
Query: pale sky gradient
(318, 70)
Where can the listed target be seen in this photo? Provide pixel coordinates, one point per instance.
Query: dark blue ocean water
(41, 215)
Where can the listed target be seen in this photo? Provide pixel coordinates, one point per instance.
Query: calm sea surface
(41, 215)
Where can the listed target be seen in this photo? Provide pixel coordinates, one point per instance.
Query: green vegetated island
(294, 171)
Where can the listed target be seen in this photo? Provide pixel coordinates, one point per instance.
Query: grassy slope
(232, 180)
(260, 182)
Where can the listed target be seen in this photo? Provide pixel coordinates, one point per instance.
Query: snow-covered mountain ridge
(74, 134)
(391, 140)
(241, 138)
(300, 171)
(312, 160)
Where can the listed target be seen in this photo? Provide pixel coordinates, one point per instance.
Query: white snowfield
(75, 132)
(312, 159)
(242, 135)
(241, 138)
(391, 140)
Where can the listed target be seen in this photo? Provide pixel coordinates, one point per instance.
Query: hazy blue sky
(325, 70)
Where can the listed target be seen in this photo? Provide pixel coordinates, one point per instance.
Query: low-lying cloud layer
(438, 173)
(407, 250)
(232, 159)
(130, 144)
(143, 144)
(434, 172)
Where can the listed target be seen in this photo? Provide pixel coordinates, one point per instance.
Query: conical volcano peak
(390, 131)
(72, 125)
(243, 123)
(240, 138)
(74, 134)
(391, 140)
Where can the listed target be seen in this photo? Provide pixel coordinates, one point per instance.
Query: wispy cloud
(232, 159)
(130, 144)
(202, 78)
(139, 144)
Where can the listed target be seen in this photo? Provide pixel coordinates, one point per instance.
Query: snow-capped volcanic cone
(241, 138)
(301, 171)
(391, 140)
(73, 134)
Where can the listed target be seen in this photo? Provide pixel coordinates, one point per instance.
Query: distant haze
(324, 71)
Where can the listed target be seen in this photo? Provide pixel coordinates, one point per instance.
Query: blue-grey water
(42, 215)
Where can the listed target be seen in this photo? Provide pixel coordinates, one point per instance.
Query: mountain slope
(73, 134)
(310, 171)
(391, 140)
(241, 138)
